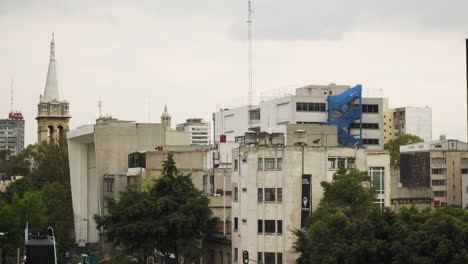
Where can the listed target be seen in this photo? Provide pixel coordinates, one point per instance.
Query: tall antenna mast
(249, 24)
(100, 108)
(11, 99)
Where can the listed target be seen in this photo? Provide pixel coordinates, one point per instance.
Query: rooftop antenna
(11, 94)
(100, 107)
(149, 110)
(249, 24)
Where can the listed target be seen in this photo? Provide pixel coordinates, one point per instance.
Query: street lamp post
(55, 248)
(1, 253)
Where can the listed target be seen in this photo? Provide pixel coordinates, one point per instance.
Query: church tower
(166, 118)
(52, 113)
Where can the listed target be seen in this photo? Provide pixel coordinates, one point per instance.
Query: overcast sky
(192, 55)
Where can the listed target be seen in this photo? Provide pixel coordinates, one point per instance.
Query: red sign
(159, 148)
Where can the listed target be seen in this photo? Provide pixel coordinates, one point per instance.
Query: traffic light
(245, 256)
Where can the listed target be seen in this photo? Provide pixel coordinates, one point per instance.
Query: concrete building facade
(53, 113)
(308, 106)
(413, 120)
(99, 152)
(12, 133)
(440, 165)
(277, 185)
(200, 131)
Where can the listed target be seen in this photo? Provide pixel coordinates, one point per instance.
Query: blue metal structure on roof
(344, 109)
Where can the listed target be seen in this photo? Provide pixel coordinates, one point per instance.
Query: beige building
(407, 195)
(210, 169)
(440, 165)
(53, 113)
(100, 152)
(276, 185)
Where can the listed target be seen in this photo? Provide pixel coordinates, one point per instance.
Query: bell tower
(53, 114)
(166, 118)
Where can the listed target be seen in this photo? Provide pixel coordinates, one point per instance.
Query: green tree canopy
(171, 217)
(348, 228)
(393, 145)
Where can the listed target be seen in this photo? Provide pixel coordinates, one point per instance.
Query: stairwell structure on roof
(343, 110)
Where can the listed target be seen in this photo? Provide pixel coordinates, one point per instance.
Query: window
(260, 256)
(438, 182)
(236, 165)
(270, 257)
(260, 164)
(341, 163)
(236, 194)
(378, 183)
(279, 258)
(464, 171)
(280, 226)
(351, 163)
(279, 163)
(236, 224)
(370, 141)
(205, 183)
(270, 226)
(270, 194)
(212, 184)
(260, 194)
(311, 107)
(331, 163)
(236, 255)
(109, 185)
(466, 191)
(229, 257)
(279, 194)
(260, 226)
(438, 161)
(269, 163)
(438, 171)
(255, 114)
(440, 194)
(365, 125)
(464, 161)
(370, 108)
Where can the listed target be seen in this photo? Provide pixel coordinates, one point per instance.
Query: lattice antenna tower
(249, 25)
(11, 95)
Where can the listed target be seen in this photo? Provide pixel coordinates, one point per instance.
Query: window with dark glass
(236, 194)
(351, 163)
(438, 171)
(279, 194)
(279, 163)
(280, 258)
(269, 226)
(438, 182)
(370, 108)
(341, 163)
(440, 194)
(260, 226)
(236, 223)
(260, 194)
(270, 194)
(464, 171)
(280, 226)
(236, 165)
(269, 163)
(370, 141)
(270, 257)
(260, 164)
(311, 107)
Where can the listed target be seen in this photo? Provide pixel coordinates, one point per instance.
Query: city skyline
(192, 59)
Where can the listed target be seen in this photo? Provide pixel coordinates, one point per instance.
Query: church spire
(51, 91)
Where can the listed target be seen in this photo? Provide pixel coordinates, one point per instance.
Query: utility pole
(249, 24)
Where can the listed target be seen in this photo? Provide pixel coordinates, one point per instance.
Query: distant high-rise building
(12, 133)
(413, 120)
(199, 131)
(52, 112)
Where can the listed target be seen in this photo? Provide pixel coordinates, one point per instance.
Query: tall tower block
(53, 114)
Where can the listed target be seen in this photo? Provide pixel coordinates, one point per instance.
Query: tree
(171, 217)
(346, 228)
(393, 145)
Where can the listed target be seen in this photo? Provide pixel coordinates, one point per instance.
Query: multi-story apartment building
(441, 165)
(276, 186)
(412, 120)
(12, 133)
(309, 105)
(200, 131)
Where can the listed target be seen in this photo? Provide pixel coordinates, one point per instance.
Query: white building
(200, 131)
(99, 152)
(308, 106)
(276, 187)
(413, 120)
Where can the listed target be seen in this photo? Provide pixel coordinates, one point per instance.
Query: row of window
(341, 163)
(370, 108)
(269, 257)
(440, 194)
(311, 107)
(269, 227)
(370, 141)
(442, 161)
(270, 164)
(438, 182)
(438, 171)
(270, 194)
(365, 125)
